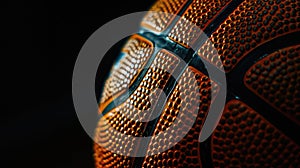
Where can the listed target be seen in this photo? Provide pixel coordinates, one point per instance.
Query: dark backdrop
(39, 127)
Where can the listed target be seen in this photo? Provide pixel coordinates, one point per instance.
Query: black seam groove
(208, 31)
(170, 86)
(163, 42)
(160, 43)
(205, 157)
(160, 106)
(222, 16)
(123, 97)
(265, 49)
(217, 21)
(236, 77)
(236, 87)
(169, 27)
(184, 53)
(276, 118)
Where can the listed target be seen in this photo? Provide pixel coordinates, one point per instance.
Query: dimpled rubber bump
(250, 25)
(243, 138)
(106, 139)
(162, 15)
(125, 117)
(276, 79)
(137, 51)
(185, 98)
(198, 14)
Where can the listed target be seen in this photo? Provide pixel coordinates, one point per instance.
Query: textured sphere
(257, 43)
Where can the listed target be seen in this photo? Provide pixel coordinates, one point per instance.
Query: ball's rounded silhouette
(258, 46)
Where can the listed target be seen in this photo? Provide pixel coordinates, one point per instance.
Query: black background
(42, 39)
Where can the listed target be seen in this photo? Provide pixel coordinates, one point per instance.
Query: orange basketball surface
(257, 43)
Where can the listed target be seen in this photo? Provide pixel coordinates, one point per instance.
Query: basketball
(254, 43)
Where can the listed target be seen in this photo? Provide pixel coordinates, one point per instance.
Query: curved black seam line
(172, 82)
(173, 22)
(159, 107)
(222, 16)
(116, 58)
(234, 91)
(123, 97)
(236, 77)
(170, 45)
(217, 21)
(202, 65)
(160, 43)
(265, 49)
(206, 156)
(272, 115)
(164, 42)
(178, 49)
(205, 147)
(237, 90)
(169, 87)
